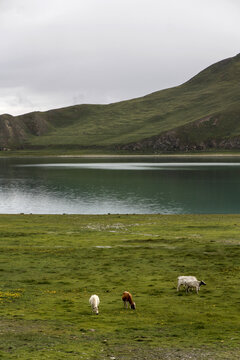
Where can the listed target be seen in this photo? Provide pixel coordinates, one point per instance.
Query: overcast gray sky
(57, 53)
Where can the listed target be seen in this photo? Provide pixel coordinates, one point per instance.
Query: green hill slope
(203, 112)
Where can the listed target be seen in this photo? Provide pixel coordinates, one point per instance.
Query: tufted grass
(51, 264)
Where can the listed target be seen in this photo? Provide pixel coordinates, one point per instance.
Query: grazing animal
(189, 282)
(194, 284)
(182, 281)
(127, 298)
(94, 302)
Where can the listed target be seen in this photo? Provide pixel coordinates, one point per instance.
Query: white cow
(94, 302)
(194, 285)
(189, 282)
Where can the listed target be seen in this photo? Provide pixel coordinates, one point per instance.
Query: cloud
(55, 53)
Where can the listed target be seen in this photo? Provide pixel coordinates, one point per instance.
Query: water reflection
(136, 166)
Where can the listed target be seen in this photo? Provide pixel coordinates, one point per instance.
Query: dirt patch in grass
(19, 326)
(126, 353)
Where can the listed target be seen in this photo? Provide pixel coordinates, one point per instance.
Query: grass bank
(114, 154)
(51, 264)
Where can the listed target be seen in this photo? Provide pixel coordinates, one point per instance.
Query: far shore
(16, 154)
(150, 156)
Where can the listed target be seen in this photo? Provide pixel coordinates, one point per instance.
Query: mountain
(203, 113)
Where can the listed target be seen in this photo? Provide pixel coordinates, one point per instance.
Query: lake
(117, 185)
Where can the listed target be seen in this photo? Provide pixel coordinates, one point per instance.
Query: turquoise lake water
(114, 185)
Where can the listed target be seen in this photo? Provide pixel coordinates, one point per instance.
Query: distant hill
(201, 114)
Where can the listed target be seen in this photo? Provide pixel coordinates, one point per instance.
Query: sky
(57, 53)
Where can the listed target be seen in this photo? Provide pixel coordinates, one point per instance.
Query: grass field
(50, 265)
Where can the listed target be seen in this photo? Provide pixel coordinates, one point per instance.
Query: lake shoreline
(119, 156)
(150, 156)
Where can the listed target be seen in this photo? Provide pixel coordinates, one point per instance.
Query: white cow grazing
(94, 302)
(183, 280)
(194, 285)
(189, 282)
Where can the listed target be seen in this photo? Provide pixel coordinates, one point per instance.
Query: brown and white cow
(127, 298)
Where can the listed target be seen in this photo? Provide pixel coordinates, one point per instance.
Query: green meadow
(51, 264)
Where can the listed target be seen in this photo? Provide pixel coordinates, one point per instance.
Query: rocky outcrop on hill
(11, 132)
(171, 142)
(15, 131)
(203, 134)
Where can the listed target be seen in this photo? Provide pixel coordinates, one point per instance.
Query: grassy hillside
(213, 93)
(50, 265)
